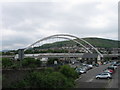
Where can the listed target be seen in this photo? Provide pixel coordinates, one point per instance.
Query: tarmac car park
(106, 80)
(108, 72)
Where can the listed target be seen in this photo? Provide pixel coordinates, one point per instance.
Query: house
(91, 57)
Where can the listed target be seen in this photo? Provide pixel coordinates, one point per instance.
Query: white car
(104, 63)
(73, 63)
(104, 75)
(115, 66)
(91, 66)
(80, 70)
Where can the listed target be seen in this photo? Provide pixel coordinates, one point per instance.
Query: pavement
(88, 79)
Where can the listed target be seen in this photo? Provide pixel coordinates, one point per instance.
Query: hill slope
(105, 43)
(97, 42)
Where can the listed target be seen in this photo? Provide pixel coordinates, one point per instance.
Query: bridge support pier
(20, 56)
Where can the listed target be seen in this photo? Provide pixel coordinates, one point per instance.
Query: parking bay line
(108, 84)
(90, 80)
(78, 78)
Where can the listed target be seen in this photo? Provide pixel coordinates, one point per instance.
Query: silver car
(80, 70)
(104, 75)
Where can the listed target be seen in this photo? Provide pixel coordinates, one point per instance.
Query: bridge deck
(57, 55)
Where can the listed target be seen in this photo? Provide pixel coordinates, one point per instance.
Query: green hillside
(97, 42)
(105, 43)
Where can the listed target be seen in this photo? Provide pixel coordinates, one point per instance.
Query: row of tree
(8, 63)
(63, 77)
(27, 62)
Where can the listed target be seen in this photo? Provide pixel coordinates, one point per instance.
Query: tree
(31, 62)
(43, 80)
(68, 72)
(51, 61)
(47, 78)
(6, 62)
(58, 80)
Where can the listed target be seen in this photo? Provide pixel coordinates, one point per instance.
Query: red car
(111, 70)
(108, 71)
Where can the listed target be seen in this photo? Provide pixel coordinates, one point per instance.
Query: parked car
(111, 71)
(115, 66)
(84, 64)
(80, 70)
(108, 71)
(118, 64)
(104, 63)
(85, 68)
(104, 75)
(97, 65)
(111, 67)
(90, 66)
(73, 63)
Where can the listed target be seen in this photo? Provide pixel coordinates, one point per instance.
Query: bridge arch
(67, 36)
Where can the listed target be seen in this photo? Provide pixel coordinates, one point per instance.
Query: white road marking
(90, 80)
(108, 84)
(78, 78)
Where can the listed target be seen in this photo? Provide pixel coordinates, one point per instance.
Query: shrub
(51, 61)
(20, 84)
(51, 80)
(44, 80)
(15, 66)
(6, 62)
(57, 80)
(68, 72)
(31, 62)
(48, 70)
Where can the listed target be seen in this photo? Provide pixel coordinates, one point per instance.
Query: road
(88, 80)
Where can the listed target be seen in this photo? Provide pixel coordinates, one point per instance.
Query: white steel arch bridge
(68, 37)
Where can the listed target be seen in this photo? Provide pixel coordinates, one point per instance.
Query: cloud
(25, 22)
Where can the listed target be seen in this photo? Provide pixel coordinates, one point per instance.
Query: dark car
(97, 65)
(112, 68)
(118, 64)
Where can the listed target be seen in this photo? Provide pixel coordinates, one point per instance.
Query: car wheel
(97, 78)
(108, 77)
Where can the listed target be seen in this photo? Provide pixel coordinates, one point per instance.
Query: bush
(31, 62)
(44, 80)
(38, 62)
(68, 72)
(51, 80)
(33, 65)
(57, 80)
(48, 70)
(48, 78)
(51, 61)
(20, 84)
(6, 62)
(15, 66)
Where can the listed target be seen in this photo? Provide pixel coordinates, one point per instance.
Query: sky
(22, 22)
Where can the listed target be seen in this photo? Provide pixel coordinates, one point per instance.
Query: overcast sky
(23, 23)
